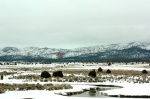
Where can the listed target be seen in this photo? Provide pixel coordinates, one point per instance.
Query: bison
(108, 71)
(58, 74)
(100, 69)
(45, 74)
(144, 71)
(92, 73)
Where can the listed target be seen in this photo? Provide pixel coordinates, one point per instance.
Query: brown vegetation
(19, 87)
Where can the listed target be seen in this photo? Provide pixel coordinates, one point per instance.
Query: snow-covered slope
(46, 53)
(104, 48)
(33, 52)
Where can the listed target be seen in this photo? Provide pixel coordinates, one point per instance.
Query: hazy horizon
(71, 24)
(73, 48)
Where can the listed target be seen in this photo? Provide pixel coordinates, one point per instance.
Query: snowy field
(129, 76)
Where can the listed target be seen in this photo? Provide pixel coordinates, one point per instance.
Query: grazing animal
(92, 73)
(45, 74)
(109, 64)
(108, 71)
(100, 69)
(58, 74)
(144, 72)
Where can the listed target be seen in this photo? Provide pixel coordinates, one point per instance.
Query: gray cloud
(73, 23)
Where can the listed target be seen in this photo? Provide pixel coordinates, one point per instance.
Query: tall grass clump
(21, 87)
(2, 89)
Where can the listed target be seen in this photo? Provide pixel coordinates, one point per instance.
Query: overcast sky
(73, 23)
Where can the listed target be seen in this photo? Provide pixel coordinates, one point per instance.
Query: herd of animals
(45, 74)
(92, 73)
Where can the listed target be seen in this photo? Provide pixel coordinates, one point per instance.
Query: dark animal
(45, 74)
(92, 73)
(100, 69)
(109, 64)
(144, 72)
(108, 71)
(58, 74)
(2, 77)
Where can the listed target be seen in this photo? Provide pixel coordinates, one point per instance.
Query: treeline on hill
(133, 54)
(79, 59)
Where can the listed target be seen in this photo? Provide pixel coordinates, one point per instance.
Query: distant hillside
(135, 51)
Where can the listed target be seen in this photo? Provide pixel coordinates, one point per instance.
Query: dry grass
(125, 72)
(19, 87)
(114, 72)
(7, 73)
(81, 75)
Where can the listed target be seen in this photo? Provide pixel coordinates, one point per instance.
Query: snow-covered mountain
(105, 48)
(101, 51)
(33, 52)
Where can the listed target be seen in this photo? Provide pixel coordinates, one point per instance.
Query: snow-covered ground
(36, 94)
(131, 89)
(128, 88)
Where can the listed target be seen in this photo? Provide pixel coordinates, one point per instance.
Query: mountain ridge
(14, 53)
